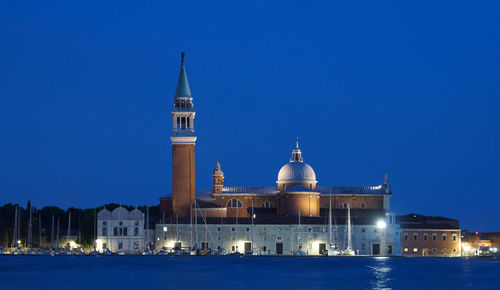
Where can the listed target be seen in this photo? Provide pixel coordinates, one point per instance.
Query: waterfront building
(429, 236)
(289, 216)
(120, 230)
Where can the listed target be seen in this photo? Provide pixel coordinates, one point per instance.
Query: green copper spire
(182, 90)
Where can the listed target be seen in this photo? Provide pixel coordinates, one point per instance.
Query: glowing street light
(381, 224)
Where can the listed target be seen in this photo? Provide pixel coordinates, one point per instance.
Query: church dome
(296, 171)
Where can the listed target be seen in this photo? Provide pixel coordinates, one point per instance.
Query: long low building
(272, 235)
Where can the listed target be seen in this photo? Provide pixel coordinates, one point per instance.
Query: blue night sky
(405, 87)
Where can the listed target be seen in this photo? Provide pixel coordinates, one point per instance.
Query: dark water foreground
(247, 273)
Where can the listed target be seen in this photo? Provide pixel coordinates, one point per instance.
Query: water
(247, 273)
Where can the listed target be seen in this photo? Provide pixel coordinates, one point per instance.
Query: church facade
(296, 213)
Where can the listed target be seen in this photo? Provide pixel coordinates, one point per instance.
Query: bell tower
(183, 140)
(218, 179)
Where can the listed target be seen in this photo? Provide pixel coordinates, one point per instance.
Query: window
(136, 231)
(120, 245)
(345, 205)
(104, 223)
(218, 229)
(362, 205)
(125, 231)
(248, 229)
(234, 238)
(434, 250)
(444, 237)
(234, 203)
(104, 231)
(136, 223)
(454, 237)
(267, 204)
(415, 236)
(444, 250)
(406, 236)
(434, 237)
(309, 230)
(362, 230)
(363, 247)
(121, 223)
(454, 250)
(279, 238)
(233, 229)
(115, 231)
(232, 248)
(425, 237)
(104, 246)
(165, 229)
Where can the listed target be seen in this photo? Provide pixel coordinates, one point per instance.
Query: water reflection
(380, 270)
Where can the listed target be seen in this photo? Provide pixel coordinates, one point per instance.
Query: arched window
(267, 204)
(362, 205)
(234, 203)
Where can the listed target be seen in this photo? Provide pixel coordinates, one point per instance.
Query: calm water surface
(247, 273)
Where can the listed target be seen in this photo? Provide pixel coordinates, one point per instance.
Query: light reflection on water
(380, 272)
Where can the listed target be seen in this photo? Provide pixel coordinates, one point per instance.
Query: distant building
(429, 235)
(120, 230)
(227, 212)
(480, 243)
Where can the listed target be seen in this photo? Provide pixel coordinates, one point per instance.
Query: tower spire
(182, 90)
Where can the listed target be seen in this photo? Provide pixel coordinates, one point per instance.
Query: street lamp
(381, 224)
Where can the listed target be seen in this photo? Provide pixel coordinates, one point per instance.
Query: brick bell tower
(218, 179)
(183, 141)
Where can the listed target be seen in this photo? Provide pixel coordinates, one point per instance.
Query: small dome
(104, 214)
(296, 171)
(120, 213)
(136, 214)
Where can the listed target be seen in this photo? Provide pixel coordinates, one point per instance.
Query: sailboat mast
(349, 246)
(191, 224)
(52, 234)
(14, 234)
(95, 224)
(69, 226)
(30, 229)
(196, 222)
(330, 220)
(57, 238)
(253, 225)
(39, 231)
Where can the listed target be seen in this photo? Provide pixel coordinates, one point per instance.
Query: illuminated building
(120, 230)
(268, 216)
(429, 236)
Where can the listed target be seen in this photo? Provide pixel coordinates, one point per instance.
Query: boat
(348, 251)
(332, 248)
(251, 253)
(94, 253)
(299, 251)
(147, 253)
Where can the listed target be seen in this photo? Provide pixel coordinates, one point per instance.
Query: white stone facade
(120, 231)
(280, 239)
